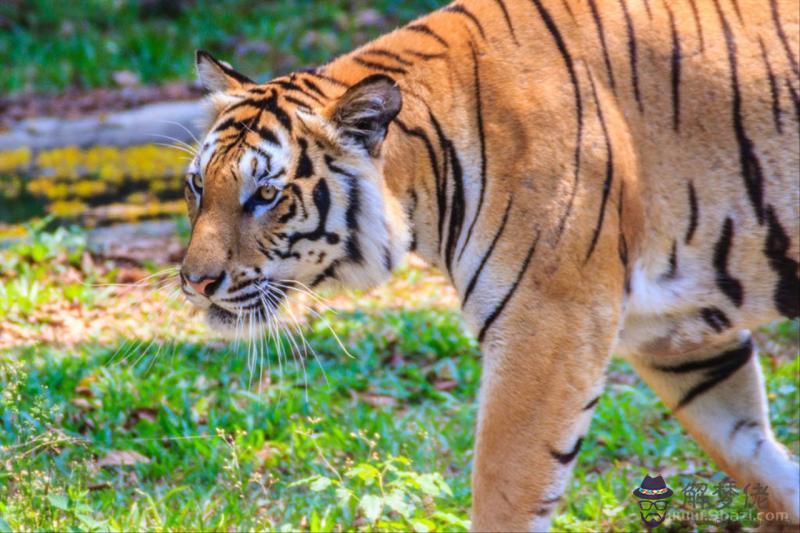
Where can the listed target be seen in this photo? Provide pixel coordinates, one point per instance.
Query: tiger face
(283, 195)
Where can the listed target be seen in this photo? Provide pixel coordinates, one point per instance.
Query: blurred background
(119, 410)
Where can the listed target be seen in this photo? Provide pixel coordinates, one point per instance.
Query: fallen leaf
(446, 385)
(379, 400)
(141, 413)
(122, 458)
(81, 403)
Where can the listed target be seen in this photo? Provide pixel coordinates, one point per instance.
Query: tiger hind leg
(718, 395)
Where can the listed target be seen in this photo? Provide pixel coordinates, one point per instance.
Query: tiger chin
(593, 177)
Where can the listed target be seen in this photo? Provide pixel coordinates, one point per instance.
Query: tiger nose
(205, 285)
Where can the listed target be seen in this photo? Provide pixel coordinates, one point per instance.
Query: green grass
(380, 437)
(47, 46)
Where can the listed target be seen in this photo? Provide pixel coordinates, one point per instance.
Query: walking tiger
(593, 176)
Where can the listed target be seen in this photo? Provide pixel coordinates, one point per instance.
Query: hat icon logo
(653, 495)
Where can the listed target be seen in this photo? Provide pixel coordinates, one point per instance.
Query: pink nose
(200, 286)
(204, 285)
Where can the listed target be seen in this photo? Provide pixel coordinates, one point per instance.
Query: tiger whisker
(187, 130)
(306, 345)
(179, 148)
(178, 143)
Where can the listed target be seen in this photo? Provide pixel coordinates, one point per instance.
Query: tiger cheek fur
(592, 176)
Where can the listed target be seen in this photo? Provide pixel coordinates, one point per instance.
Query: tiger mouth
(259, 311)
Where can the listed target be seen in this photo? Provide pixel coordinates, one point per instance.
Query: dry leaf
(82, 404)
(122, 458)
(141, 413)
(445, 385)
(379, 400)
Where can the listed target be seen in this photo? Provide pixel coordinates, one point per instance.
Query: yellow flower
(88, 188)
(15, 159)
(67, 208)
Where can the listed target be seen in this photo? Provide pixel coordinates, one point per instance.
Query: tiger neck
(419, 159)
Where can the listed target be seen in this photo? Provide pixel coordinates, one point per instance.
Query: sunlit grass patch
(147, 422)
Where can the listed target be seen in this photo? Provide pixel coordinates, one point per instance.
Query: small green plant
(45, 266)
(384, 493)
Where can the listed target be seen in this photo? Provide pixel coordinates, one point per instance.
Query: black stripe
(675, 64)
(291, 213)
(499, 308)
(322, 201)
(673, 262)
(776, 19)
(352, 247)
(776, 248)
(716, 370)
(298, 102)
(694, 214)
(456, 221)
(291, 86)
(567, 58)
(737, 10)
(322, 76)
(410, 215)
(716, 318)
(313, 87)
(387, 256)
(420, 134)
(568, 457)
(305, 168)
(622, 244)
(482, 139)
(271, 105)
(506, 16)
(774, 89)
(423, 55)
(730, 286)
(647, 8)
(386, 53)
(547, 505)
(698, 25)
(741, 424)
(795, 99)
(379, 67)
(632, 54)
(329, 272)
(423, 28)
(592, 403)
(751, 166)
(598, 21)
(461, 10)
(441, 187)
(609, 181)
(565, 4)
(475, 275)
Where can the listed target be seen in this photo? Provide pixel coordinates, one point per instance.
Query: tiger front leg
(543, 373)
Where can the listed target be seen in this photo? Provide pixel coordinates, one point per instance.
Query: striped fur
(593, 176)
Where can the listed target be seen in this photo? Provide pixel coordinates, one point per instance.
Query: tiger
(593, 177)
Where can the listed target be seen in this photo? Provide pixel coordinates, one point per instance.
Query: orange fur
(593, 176)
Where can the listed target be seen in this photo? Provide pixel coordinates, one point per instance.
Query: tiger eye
(267, 193)
(197, 181)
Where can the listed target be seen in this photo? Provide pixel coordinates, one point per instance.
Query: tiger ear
(364, 112)
(218, 76)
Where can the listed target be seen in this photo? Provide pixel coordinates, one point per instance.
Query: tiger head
(287, 192)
